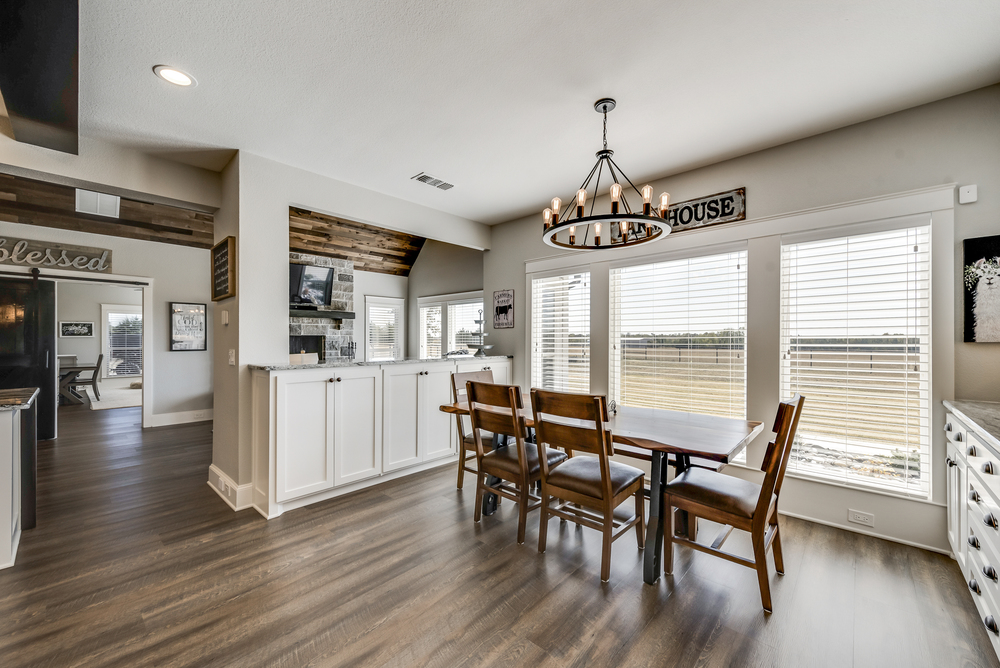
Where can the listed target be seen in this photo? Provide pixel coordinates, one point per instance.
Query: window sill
(855, 488)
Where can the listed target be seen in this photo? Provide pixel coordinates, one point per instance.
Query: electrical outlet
(858, 517)
(232, 357)
(199, 414)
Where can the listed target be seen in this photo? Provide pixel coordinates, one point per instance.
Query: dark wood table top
(709, 437)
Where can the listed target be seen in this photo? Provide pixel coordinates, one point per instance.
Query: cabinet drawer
(984, 471)
(984, 515)
(954, 430)
(983, 598)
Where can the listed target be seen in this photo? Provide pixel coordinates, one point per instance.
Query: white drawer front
(984, 513)
(954, 430)
(984, 592)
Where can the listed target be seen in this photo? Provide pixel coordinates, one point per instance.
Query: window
(453, 316)
(678, 335)
(560, 332)
(384, 329)
(855, 340)
(122, 346)
(430, 331)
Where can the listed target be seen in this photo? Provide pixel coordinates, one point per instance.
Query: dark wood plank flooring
(136, 562)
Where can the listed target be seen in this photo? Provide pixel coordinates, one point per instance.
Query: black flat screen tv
(308, 284)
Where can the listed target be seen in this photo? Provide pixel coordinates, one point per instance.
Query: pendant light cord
(605, 128)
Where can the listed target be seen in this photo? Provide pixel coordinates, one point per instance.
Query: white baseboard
(237, 496)
(182, 417)
(848, 527)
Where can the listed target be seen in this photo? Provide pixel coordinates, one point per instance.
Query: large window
(855, 340)
(447, 323)
(384, 329)
(678, 335)
(122, 345)
(560, 332)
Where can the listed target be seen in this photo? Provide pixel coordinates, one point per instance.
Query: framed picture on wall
(982, 289)
(188, 327)
(503, 309)
(76, 330)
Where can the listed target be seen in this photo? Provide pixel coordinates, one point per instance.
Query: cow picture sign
(712, 210)
(503, 309)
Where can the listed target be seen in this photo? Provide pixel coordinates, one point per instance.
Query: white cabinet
(957, 486)
(357, 432)
(414, 430)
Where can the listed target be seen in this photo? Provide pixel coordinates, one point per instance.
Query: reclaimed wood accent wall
(370, 248)
(34, 202)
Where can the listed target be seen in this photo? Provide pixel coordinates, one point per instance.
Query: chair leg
(522, 512)
(478, 513)
(97, 393)
(461, 467)
(543, 522)
(760, 561)
(779, 562)
(668, 537)
(606, 552)
(640, 512)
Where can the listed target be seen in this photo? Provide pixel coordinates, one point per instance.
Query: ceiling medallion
(620, 228)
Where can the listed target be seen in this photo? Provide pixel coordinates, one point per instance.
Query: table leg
(684, 524)
(490, 499)
(653, 551)
(67, 392)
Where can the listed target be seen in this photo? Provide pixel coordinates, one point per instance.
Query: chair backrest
(786, 422)
(497, 408)
(100, 365)
(458, 390)
(563, 433)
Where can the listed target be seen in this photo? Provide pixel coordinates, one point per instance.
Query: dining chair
(587, 489)
(496, 409)
(467, 446)
(95, 377)
(737, 503)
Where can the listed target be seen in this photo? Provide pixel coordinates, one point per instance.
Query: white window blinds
(462, 327)
(855, 341)
(384, 329)
(560, 332)
(124, 344)
(678, 335)
(430, 331)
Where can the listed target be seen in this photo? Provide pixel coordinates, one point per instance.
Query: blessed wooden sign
(28, 253)
(712, 210)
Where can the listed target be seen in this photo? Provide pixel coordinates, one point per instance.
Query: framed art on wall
(224, 269)
(981, 276)
(188, 329)
(76, 330)
(503, 309)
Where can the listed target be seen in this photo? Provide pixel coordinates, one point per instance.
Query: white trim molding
(237, 496)
(180, 417)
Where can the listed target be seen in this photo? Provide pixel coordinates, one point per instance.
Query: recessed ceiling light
(174, 76)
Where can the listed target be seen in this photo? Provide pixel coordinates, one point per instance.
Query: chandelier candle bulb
(597, 234)
(664, 204)
(556, 206)
(547, 218)
(572, 235)
(616, 196)
(647, 196)
(581, 199)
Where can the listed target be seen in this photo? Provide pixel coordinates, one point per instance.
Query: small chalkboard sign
(224, 269)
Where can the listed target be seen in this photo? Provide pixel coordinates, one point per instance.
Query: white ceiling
(497, 97)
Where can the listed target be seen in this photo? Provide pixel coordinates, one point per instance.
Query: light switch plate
(225, 317)
(967, 194)
(232, 357)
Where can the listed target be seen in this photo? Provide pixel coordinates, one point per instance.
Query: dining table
(661, 433)
(67, 377)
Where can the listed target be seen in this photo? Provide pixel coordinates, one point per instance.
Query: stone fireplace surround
(338, 334)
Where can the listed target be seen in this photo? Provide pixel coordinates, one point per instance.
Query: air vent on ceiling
(432, 181)
(98, 204)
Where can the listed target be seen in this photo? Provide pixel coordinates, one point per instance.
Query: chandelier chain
(605, 128)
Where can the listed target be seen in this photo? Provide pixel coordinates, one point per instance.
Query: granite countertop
(17, 399)
(339, 363)
(985, 415)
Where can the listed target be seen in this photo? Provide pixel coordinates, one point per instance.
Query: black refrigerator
(28, 344)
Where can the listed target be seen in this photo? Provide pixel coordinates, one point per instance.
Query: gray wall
(440, 269)
(953, 140)
(81, 302)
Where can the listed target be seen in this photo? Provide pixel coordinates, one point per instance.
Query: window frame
(530, 315)
(129, 309)
(444, 301)
(398, 303)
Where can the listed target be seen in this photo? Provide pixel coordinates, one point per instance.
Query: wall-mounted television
(308, 284)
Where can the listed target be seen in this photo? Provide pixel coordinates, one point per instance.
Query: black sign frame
(224, 269)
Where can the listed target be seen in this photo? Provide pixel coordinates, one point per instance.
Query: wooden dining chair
(467, 446)
(91, 382)
(496, 409)
(737, 503)
(587, 489)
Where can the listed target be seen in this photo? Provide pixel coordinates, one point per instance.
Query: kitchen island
(322, 430)
(17, 438)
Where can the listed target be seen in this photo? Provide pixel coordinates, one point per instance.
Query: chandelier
(569, 227)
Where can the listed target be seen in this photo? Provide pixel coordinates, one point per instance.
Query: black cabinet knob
(974, 542)
(990, 521)
(974, 586)
(988, 468)
(989, 572)
(950, 461)
(991, 625)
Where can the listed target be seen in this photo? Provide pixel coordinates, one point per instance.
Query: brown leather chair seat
(470, 440)
(583, 476)
(505, 459)
(724, 492)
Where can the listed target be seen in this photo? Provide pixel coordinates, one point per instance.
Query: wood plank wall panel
(370, 248)
(44, 204)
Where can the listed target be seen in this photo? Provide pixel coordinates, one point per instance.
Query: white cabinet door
(435, 427)
(400, 422)
(357, 440)
(955, 465)
(304, 439)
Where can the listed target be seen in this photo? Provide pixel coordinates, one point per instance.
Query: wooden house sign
(49, 255)
(715, 209)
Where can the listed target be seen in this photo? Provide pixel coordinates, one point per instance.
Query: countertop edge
(341, 365)
(991, 441)
(21, 402)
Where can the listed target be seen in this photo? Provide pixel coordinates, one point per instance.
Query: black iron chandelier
(618, 229)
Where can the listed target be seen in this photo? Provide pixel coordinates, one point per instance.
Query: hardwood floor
(136, 562)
